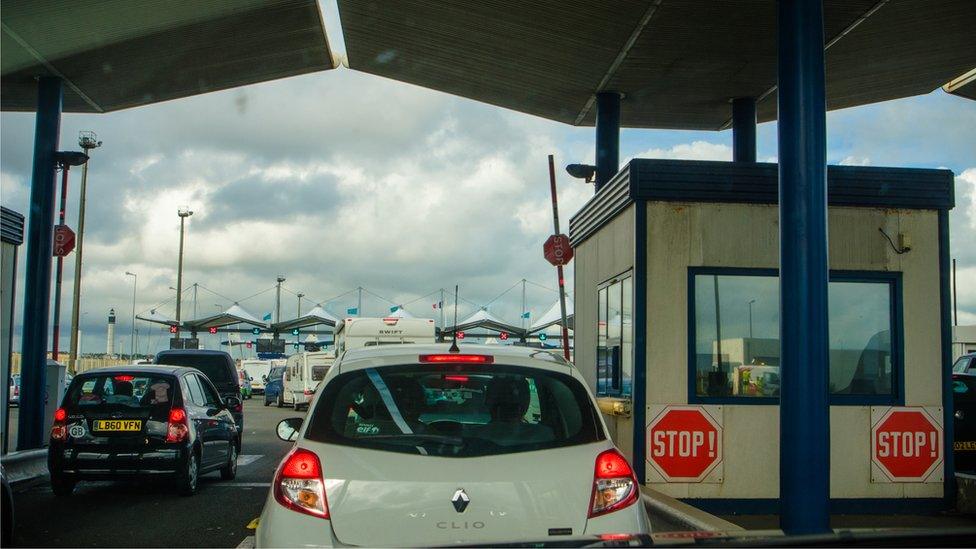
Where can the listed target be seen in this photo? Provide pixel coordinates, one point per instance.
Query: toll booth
(11, 236)
(677, 331)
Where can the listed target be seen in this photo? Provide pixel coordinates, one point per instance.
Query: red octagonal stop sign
(557, 250)
(906, 444)
(684, 443)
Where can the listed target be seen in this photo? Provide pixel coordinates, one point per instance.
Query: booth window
(615, 336)
(734, 336)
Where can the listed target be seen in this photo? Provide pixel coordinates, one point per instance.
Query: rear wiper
(412, 438)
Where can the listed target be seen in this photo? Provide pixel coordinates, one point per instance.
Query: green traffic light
(542, 337)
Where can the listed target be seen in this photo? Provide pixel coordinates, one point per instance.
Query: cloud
(696, 150)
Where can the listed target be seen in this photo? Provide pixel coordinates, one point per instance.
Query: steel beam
(804, 464)
(37, 287)
(744, 129)
(607, 137)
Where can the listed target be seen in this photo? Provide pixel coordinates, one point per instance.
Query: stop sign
(64, 240)
(906, 444)
(684, 443)
(557, 250)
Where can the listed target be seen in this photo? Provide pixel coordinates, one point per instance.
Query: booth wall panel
(607, 253)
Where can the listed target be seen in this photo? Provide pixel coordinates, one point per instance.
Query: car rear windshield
(319, 371)
(213, 366)
(454, 411)
(137, 393)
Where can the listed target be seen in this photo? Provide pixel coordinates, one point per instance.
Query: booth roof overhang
(316, 316)
(964, 85)
(118, 54)
(678, 63)
(235, 314)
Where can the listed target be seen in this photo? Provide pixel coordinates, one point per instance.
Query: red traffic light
(503, 336)
(460, 335)
(213, 330)
(173, 329)
(248, 344)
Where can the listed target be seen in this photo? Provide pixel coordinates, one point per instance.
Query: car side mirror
(232, 402)
(288, 429)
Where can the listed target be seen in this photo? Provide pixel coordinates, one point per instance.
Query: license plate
(117, 425)
(964, 445)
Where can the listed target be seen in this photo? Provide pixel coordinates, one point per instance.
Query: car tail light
(178, 428)
(455, 358)
(299, 486)
(614, 484)
(59, 431)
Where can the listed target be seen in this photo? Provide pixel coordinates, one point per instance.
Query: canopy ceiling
(116, 54)
(678, 62)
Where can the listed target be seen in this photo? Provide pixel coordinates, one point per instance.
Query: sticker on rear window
(77, 430)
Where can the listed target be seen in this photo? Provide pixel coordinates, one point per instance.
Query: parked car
(964, 421)
(244, 379)
(274, 389)
(14, 395)
(218, 366)
(966, 364)
(479, 443)
(175, 426)
(303, 373)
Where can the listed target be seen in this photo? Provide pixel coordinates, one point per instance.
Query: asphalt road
(117, 514)
(108, 514)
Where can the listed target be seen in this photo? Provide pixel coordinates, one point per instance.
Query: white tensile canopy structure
(316, 316)
(483, 319)
(235, 314)
(553, 317)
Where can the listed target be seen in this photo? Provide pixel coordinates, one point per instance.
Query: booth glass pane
(861, 351)
(602, 360)
(748, 344)
(627, 334)
(614, 343)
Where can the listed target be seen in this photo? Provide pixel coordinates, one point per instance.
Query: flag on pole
(352, 311)
(525, 314)
(267, 317)
(394, 308)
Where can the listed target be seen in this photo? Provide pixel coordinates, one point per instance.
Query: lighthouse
(110, 344)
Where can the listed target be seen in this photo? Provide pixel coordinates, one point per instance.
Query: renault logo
(460, 500)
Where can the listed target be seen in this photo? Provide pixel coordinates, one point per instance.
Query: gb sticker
(77, 430)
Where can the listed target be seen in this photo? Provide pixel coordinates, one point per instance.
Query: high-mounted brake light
(124, 377)
(391, 320)
(178, 429)
(299, 486)
(59, 431)
(454, 358)
(462, 379)
(614, 484)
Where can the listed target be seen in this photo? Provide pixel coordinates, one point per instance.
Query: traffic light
(294, 332)
(213, 329)
(256, 331)
(503, 336)
(295, 344)
(542, 336)
(173, 329)
(460, 335)
(248, 344)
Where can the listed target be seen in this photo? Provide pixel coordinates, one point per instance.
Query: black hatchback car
(129, 422)
(219, 368)
(964, 421)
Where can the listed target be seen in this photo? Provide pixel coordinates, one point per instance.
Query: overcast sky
(342, 179)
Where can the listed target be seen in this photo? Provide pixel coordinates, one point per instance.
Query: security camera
(582, 171)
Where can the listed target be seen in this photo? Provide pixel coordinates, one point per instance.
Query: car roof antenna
(454, 348)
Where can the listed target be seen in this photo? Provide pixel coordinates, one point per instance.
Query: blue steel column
(37, 287)
(804, 464)
(607, 137)
(743, 129)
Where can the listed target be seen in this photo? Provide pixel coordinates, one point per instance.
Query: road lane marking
(247, 459)
(247, 543)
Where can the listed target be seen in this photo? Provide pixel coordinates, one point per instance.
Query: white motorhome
(258, 370)
(303, 373)
(353, 333)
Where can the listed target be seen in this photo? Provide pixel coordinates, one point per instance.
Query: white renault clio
(413, 445)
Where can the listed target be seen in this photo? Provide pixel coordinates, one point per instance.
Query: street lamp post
(281, 278)
(300, 296)
(184, 213)
(87, 141)
(132, 342)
